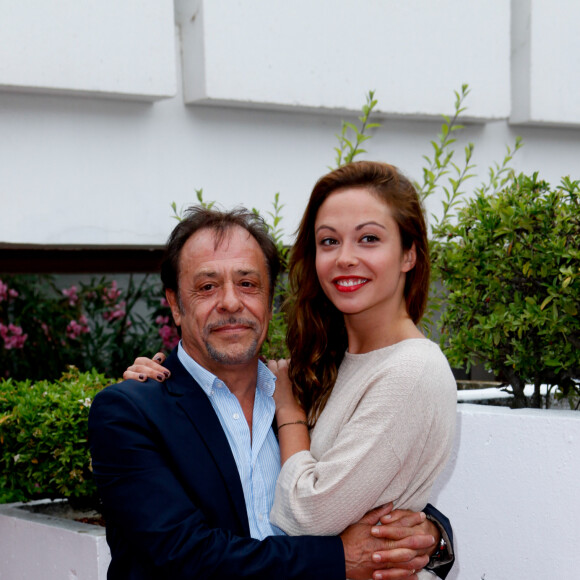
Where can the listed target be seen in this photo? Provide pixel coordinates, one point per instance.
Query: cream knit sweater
(384, 435)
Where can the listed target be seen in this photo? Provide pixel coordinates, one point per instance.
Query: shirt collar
(266, 382)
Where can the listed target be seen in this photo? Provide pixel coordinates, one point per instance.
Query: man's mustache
(232, 321)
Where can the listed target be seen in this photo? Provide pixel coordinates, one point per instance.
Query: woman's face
(360, 261)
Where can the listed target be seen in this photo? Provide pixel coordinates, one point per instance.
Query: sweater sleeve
(372, 460)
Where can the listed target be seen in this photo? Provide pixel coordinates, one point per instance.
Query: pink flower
(111, 295)
(3, 291)
(162, 320)
(169, 336)
(164, 303)
(13, 336)
(71, 294)
(6, 292)
(116, 313)
(74, 329)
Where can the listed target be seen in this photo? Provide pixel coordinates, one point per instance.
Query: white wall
(511, 492)
(86, 167)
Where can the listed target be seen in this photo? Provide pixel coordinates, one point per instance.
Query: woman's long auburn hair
(316, 336)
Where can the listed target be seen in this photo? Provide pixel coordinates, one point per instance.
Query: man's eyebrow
(248, 272)
(205, 274)
(214, 274)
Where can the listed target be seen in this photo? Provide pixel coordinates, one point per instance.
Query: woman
(377, 397)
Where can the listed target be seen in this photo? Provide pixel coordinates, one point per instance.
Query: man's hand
(386, 554)
(400, 524)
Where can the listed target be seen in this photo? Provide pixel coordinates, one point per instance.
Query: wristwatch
(444, 553)
(440, 555)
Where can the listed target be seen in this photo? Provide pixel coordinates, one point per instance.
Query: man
(187, 470)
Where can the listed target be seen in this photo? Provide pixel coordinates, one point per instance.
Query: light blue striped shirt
(257, 455)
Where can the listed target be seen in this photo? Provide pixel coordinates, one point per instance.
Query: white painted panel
(326, 54)
(546, 62)
(116, 48)
(510, 491)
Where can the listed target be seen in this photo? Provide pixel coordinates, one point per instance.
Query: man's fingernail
(375, 531)
(423, 516)
(387, 517)
(378, 576)
(376, 557)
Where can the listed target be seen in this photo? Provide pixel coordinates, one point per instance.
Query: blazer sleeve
(443, 568)
(150, 508)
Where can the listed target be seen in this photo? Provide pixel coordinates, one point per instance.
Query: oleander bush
(45, 328)
(44, 450)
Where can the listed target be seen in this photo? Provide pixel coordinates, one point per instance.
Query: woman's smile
(349, 283)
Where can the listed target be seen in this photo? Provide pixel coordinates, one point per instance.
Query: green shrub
(510, 266)
(44, 450)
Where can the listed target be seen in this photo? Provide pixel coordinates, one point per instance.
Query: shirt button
(236, 416)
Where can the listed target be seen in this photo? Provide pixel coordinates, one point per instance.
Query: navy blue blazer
(171, 493)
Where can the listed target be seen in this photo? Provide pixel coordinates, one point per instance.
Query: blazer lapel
(194, 402)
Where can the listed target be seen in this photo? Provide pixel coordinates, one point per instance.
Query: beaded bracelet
(293, 423)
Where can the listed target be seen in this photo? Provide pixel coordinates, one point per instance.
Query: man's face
(223, 306)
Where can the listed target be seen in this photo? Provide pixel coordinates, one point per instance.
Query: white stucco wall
(510, 490)
(97, 169)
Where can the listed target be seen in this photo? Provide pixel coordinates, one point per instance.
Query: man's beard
(225, 356)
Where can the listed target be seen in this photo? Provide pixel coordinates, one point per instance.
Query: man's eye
(247, 284)
(207, 287)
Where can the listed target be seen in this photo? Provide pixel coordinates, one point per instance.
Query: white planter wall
(34, 546)
(511, 492)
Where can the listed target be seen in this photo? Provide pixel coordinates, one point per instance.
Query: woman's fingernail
(160, 377)
(157, 359)
(141, 378)
(166, 373)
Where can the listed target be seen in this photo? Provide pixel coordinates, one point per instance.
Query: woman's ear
(409, 259)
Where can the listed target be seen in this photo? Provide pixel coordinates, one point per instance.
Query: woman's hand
(290, 417)
(145, 368)
(283, 395)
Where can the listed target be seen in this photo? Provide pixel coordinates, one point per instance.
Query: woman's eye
(327, 242)
(369, 238)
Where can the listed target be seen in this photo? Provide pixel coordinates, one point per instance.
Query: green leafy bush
(44, 451)
(510, 267)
